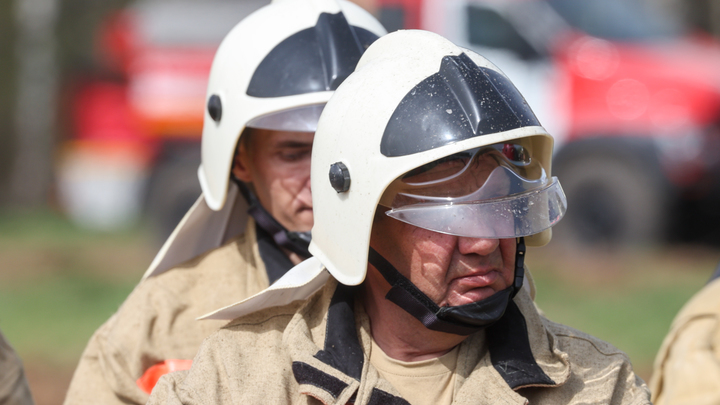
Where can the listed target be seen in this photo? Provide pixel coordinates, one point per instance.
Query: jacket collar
(520, 349)
(276, 261)
(510, 351)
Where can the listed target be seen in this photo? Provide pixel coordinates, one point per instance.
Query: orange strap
(152, 375)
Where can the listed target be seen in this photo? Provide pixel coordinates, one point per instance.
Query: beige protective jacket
(14, 388)
(312, 352)
(158, 322)
(687, 367)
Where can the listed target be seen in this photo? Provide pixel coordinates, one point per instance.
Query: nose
(305, 194)
(480, 246)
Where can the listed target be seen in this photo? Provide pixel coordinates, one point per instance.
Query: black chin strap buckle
(300, 237)
(519, 266)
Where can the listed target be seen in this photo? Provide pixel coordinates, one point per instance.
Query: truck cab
(137, 118)
(632, 100)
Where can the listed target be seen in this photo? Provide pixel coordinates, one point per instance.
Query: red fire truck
(632, 100)
(137, 121)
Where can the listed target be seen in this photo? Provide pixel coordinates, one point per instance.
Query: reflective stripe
(152, 375)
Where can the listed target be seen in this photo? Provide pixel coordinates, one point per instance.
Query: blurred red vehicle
(137, 122)
(632, 100)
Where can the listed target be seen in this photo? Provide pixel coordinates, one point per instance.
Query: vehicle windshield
(619, 20)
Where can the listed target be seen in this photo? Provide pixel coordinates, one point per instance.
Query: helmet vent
(461, 101)
(454, 72)
(312, 60)
(339, 47)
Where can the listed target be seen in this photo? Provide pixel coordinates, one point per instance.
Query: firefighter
(687, 367)
(269, 81)
(430, 175)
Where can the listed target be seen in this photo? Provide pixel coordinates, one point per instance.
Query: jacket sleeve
(120, 351)
(690, 373)
(238, 364)
(205, 383)
(103, 375)
(107, 372)
(167, 390)
(14, 388)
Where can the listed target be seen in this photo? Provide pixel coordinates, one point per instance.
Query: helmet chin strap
(296, 242)
(459, 320)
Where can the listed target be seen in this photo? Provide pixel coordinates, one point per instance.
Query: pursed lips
(477, 278)
(301, 206)
(304, 209)
(472, 287)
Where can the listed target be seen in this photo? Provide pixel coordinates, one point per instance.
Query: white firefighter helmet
(276, 69)
(413, 129)
(434, 133)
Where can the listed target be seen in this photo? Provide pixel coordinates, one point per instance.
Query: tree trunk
(35, 113)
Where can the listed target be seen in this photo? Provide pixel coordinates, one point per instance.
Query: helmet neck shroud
(312, 60)
(461, 101)
(459, 320)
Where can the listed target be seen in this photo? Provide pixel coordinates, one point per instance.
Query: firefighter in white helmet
(269, 81)
(429, 174)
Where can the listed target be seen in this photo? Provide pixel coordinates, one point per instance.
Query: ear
(241, 164)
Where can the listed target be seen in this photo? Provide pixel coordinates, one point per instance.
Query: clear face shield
(498, 191)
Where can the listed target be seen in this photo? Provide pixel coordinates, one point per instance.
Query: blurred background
(101, 105)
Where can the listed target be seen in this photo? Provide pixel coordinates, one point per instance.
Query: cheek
(294, 181)
(508, 248)
(432, 247)
(283, 182)
(268, 183)
(262, 170)
(292, 176)
(431, 258)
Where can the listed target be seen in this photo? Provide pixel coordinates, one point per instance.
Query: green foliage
(634, 318)
(628, 300)
(53, 317)
(59, 283)
(42, 228)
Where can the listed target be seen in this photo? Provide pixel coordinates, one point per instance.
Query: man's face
(451, 270)
(277, 164)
